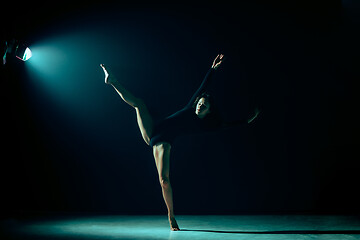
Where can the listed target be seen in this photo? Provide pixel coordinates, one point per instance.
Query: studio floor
(192, 227)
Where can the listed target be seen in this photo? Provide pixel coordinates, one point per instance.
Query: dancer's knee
(164, 181)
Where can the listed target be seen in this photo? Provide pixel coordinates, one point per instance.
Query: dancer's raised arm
(207, 80)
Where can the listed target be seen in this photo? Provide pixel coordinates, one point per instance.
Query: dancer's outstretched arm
(207, 80)
(242, 121)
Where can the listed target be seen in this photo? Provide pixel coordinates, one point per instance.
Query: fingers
(219, 58)
(222, 57)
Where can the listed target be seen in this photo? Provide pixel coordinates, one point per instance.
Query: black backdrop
(83, 153)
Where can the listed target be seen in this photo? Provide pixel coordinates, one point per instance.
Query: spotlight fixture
(17, 49)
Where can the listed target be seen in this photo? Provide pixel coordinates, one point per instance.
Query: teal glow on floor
(193, 227)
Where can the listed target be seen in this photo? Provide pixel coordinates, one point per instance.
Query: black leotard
(184, 121)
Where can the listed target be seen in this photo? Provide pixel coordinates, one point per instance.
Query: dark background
(69, 143)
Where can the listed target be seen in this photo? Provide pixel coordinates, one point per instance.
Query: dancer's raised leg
(144, 118)
(124, 94)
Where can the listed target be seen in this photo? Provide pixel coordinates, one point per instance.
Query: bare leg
(162, 159)
(124, 94)
(144, 118)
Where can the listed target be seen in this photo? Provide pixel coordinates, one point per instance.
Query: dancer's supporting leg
(144, 118)
(162, 158)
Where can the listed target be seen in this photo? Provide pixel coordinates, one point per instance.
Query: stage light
(23, 52)
(17, 49)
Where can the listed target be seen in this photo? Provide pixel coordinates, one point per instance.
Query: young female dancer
(199, 115)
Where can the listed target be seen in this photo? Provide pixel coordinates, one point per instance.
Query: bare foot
(109, 78)
(173, 224)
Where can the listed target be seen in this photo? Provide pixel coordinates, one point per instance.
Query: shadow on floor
(280, 232)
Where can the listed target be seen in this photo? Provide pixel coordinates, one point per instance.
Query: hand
(218, 60)
(257, 111)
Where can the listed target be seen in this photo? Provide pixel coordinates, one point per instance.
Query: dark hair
(214, 114)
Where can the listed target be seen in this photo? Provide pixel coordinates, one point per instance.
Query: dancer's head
(203, 105)
(205, 108)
